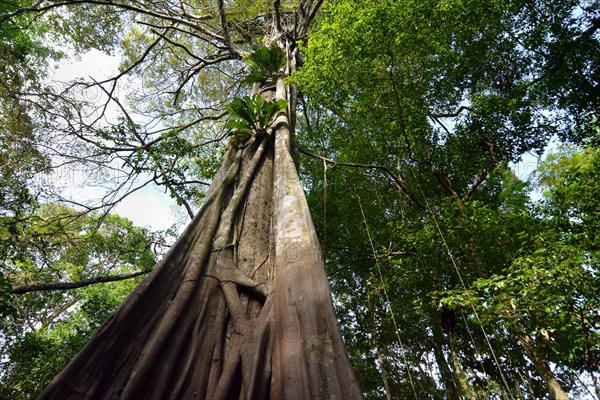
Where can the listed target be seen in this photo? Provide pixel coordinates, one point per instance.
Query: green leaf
(264, 62)
(253, 113)
(271, 109)
(239, 126)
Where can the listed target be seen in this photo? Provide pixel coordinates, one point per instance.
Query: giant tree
(240, 307)
(416, 108)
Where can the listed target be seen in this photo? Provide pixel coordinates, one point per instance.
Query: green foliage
(42, 331)
(444, 95)
(264, 62)
(25, 53)
(549, 290)
(35, 358)
(25, 57)
(570, 178)
(87, 27)
(6, 304)
(426, 61)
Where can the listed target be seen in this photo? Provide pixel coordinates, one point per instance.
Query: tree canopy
(453, 275)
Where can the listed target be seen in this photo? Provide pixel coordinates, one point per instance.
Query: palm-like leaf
(251, 114)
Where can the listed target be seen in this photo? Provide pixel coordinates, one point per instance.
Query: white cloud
(147, 207)
(93, 63)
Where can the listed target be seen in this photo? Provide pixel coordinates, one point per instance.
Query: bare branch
(48, 286)
(497, 160)
(399, 182)
(225, 27)
(475, 184)
(169, 40)
(183, 19)
(314, 11)
(456, 113)
(142, 141)
(442, 180)
(197, 68)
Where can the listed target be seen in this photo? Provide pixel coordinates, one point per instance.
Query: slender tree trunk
(554, 388)
(459, 373)
(448, 323)
(447, 375)
(240, 307)
(384, 378)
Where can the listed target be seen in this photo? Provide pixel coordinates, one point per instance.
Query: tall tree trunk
(448, 323)
(240, 307)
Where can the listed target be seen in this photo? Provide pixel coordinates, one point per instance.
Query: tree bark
(459, 373)
(240, 307)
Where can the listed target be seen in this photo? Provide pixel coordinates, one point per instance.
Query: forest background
(453, 275)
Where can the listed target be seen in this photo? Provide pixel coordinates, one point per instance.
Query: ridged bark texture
(240, 307)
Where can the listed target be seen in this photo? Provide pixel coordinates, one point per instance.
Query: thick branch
(497, 159)
(47, 286)
(442, 180)
(33, 7)
(314, 11)
(225, 27)
(475, 184)
(276, 5)
(307, 12)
